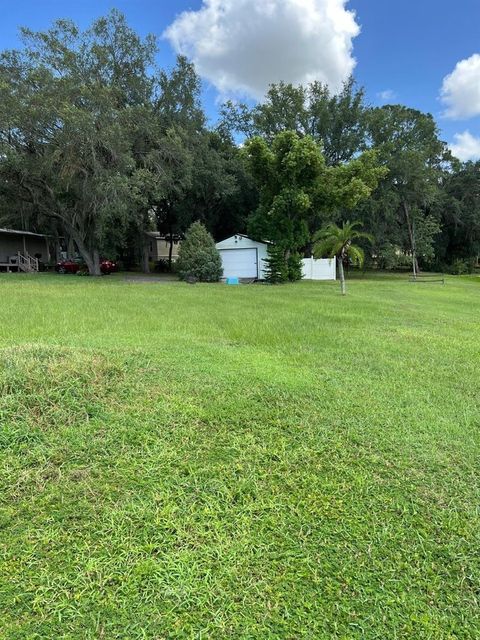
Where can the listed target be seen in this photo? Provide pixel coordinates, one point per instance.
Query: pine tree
(294, 267)
(281, 268)
(276, 271)
(198, 256)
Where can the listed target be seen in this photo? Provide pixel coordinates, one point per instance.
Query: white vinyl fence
(319, 269)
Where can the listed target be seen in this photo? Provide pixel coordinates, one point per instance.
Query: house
(157, 246)
(243, 257)
(22, 250)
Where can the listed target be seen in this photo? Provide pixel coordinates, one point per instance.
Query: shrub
(461, 267)
(198, 256)
(391, 257)
(162, 266)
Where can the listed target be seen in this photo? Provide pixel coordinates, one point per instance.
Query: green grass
(256, 462)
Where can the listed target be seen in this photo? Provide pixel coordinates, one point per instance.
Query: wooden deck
(8, 267)
(25, 263)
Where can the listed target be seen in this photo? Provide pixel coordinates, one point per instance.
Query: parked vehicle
(108, 266)
(75, 265)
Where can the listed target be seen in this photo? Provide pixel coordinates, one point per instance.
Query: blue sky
(404, 49)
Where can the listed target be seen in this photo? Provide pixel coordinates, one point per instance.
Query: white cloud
(242, 46)
(461, 89)
(387, 96)
(465, 146)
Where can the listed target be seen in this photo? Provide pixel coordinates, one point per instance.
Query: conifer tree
(198, 256)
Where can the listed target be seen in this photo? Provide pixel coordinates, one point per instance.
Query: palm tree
(337, 242)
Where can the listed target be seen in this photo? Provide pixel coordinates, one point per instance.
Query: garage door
(239, 263)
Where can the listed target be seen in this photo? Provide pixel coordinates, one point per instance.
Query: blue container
(232, 281)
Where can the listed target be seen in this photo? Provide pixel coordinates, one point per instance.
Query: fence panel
(319, 269)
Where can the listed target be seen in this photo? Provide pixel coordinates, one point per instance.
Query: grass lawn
(239, 462)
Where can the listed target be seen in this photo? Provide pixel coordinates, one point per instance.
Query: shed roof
(242, 235)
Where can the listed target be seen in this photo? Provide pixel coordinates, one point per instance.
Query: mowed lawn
(239, 462)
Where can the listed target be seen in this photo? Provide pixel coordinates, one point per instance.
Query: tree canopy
(99, 144)
(298, 190)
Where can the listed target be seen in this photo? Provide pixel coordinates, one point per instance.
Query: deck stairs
(27, 263)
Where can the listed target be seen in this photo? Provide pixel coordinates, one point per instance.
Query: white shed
(243, 257)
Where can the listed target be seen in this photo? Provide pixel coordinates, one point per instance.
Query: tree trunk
(91, 256)
(170, 250)
(411, 236)
(94, 265)
(341, 274)
(70, 248)
(145, 260)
